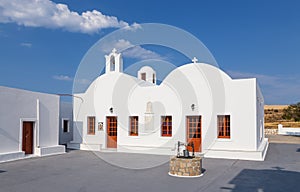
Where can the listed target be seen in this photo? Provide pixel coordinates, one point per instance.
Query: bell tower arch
(114, 62)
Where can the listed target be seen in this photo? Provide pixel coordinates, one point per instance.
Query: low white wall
(288, 131)
(50, 150)
(11, 156)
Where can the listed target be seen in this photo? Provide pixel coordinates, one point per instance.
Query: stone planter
(182, 167)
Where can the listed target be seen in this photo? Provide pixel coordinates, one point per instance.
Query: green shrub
(292, 112)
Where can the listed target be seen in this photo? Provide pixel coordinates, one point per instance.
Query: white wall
(15, 105)
(65, 112)
(288, 130)
(20, 105)
(260, 124)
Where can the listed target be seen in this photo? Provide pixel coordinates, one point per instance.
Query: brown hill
(273, 116)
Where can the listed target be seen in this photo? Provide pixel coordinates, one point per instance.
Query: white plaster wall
(164, 101)
(18, 105)
(260, 136)
(82, 109)
(15, 104)
(49, 120)
(242, 102)
(65, 112)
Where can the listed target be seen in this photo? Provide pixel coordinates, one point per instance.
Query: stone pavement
(284, 139)
(84, 171)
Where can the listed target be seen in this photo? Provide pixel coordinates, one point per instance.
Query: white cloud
(29, 45)
(45, 13)
(62, 78)
(133, 27)
(129, 50)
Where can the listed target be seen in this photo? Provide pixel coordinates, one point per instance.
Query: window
(143, 76)
(166, 126)
(224, 126)
(91, 126)
(134, 126)
(65, 123)
(153, 79)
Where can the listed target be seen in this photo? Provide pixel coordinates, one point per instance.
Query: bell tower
(114, 62)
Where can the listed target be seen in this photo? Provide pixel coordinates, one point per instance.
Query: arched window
(112, 63)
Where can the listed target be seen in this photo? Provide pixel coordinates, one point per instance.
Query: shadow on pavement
(297, 136)
(68, 150)
(266, 180)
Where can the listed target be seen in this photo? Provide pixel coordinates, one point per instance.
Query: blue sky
(42, 43)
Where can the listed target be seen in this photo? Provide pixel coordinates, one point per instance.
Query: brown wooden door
(193, 128)
(27, 141)
(111, 125)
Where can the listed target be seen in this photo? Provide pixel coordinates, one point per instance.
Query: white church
(196, 102)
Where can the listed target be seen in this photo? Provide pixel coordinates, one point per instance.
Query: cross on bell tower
(195, 60)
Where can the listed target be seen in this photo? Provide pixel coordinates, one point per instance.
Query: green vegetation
(292, 112)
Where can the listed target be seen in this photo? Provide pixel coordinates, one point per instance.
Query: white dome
(146, 73)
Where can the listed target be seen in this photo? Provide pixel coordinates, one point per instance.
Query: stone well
(182, 167)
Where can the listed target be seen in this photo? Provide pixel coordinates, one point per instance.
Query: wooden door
(111, 125)
(27, 141)
(193, 132)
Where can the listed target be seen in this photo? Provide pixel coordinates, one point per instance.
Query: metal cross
(194, 60)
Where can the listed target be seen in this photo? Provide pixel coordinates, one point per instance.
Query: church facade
(196, 103)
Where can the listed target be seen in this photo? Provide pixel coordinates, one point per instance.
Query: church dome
(146, 73)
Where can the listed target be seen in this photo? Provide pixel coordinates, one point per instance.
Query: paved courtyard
(291, 139)
(80, 171)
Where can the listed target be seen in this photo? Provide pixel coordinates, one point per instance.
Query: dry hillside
(273, 116)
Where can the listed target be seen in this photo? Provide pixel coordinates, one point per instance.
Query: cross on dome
(195, 60)
(114, 50)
